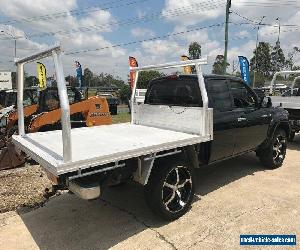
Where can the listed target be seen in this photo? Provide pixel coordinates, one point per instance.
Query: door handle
(265, 116)
(242, 119)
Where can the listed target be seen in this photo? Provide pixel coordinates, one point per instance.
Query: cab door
(252, 122)
(224, 117)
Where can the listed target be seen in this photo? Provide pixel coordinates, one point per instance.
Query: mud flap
(10, 158)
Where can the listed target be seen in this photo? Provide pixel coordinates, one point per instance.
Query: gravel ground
(22, 188)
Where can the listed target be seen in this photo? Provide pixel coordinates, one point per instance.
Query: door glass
(219, 95)
(242, 97)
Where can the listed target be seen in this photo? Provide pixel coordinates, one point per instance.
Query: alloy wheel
(279, 149)
(177, 189)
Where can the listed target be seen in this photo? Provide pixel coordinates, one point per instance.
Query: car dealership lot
(234, 197)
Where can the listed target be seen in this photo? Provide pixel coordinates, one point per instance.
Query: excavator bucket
(9, 157)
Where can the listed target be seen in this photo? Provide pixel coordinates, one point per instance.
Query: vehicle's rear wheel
(274, 155)
(170, 190)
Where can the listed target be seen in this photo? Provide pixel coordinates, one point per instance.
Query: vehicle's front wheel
(292, 136)
(170, 190)
(274, 155)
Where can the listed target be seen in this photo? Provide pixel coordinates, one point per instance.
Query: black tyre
(113, 110)
(170, 190)
(274, 155)
(292, 136)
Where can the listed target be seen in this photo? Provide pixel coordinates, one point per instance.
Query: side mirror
(266, 102)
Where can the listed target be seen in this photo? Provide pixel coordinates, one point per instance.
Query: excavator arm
(13, 117)
(95, 111)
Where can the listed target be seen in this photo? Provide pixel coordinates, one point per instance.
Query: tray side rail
(273, 85)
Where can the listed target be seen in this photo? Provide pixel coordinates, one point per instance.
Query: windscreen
(174, 92)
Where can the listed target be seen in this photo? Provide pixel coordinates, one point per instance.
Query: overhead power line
(74, 12)
(252, 22)
(144, 40)
(152, 16)
(268, 4)
(266, 34)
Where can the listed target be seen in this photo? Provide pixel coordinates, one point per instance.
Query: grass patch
(121, 118)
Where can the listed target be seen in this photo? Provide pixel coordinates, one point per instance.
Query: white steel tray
(287, 102)
(93, 146)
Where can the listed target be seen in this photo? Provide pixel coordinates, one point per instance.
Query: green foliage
(290, 58)
(101, 80)
(71, 80)
(146, 76)
(194, 53)
(87, 76)
(121, 118)
(277, 58)
(261, 60)
(124, 93)
(218, 65)
(259, 79)
(194, 50)
(31, 81)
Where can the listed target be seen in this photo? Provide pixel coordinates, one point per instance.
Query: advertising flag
(132, 63)
(244, 66)
(41, 72)
(78, 73)
(186, 69)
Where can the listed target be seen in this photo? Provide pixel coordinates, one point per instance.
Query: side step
(86, 191)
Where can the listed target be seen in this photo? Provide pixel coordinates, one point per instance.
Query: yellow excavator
(45, 115)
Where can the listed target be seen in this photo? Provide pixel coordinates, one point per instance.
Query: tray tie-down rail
(273, 83)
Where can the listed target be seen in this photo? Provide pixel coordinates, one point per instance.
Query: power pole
(257, 37)
(279, 28)
(228, 6)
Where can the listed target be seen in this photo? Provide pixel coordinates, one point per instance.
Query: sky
(102, 34)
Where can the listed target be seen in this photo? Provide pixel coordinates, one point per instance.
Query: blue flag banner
(78, 73)
(244, 66)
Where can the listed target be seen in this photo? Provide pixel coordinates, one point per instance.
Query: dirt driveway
(233, 198)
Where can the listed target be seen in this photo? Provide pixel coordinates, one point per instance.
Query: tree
(277, 58)
(218, 65)
(259, 79)
(31, 81)
(194, 53)
(146, 76)
(261, 60)
(124, 93)
(71, 80)
(88, 76)
(194, 50)
(290, 58)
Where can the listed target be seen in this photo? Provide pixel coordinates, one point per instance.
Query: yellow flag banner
(41, 71)
(186, 69)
